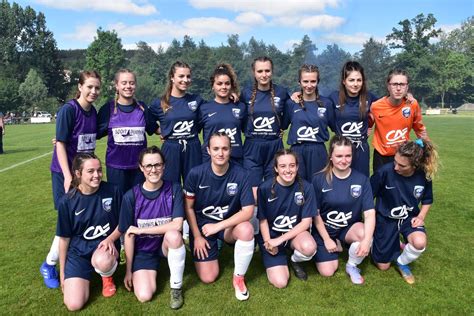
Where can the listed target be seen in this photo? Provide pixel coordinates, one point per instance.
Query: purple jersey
(81, 131)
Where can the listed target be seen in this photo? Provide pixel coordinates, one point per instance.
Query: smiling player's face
(287, 169)
(90, 176)
(219, 150)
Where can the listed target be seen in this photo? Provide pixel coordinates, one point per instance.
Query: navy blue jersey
(88, 219)
(263, 123)
(347, 121)
(287, 207)
(181, 120)
(217, 198)
(309, 124)
(342, 202)
(228, 118)
(397, 196)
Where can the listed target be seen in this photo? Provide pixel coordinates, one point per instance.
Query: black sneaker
(176, 298)
(299, 271)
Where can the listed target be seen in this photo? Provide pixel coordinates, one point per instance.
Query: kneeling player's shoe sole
(299, 271)
(176, 298)
(50, 275)
(354, 274)
(405, 271)
(108, 287)
(241, 292)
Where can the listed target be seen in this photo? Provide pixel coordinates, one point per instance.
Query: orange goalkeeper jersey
(394, 123)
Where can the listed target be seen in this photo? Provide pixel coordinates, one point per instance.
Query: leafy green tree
(330, 63)
(144, 65)
(105, 55)
(32, 91)
(9, 98)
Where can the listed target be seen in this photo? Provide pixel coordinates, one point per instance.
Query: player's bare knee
(73, 304)
(383, 266)
(143, 295)
(279, 282)
(419, 243)
(326, 271)
(244, 231)
(174, 239)
(103, 261)
(308, 248)
(208, 278)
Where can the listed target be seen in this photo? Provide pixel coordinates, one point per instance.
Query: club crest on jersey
(236, 113)
(299, 198)
(418, 191)
(277, 101)
(192, 105)
(107, 204)
(321, 112)
(356, 190)
(406, 112)
(232, 189)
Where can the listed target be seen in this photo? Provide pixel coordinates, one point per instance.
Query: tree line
(35, 74)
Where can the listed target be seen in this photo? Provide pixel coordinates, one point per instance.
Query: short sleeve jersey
(88, 219)
(217, 198)
(287, 207)
(309, 124)
(343, 201)
(181, 120)
(264, 122)
(397, 196)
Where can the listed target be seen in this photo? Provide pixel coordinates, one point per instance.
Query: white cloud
(324, 22)
(117, 6)
(267, 7)
(447, 28)
(206, 26)
(350, 39)
(250, 18)
(83, 33)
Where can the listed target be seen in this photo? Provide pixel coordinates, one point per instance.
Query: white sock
(243, 253)
(107, 273)
(254, 221)
(409, 254)
(354, 260)
(185, 230)
(53, 255)
(176, 257)
(299, 257)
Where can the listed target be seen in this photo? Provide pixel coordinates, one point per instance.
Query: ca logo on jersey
(263, 124)
(230, 132)
(352, 129)
(217, 213)
(192, 105)
(356, 190)
(231, 189)
(338, 219)
(406, 112)
(182, 128)
(299, 198)
(107, 204)
(284, 223)
(236, 113)
(321, 112)
(396, 136)
(307, 133)
(400, 212)
(94, 232)
(418, 191)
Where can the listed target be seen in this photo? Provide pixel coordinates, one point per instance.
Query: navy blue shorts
(181, 156)
(213, 253)
(78, 267)
(124, 179)
(322, 254)
(312, 157)
(57, 180)
(147, 260)
(280, 259)
(386, 246)
(258, 158)
(361, 157)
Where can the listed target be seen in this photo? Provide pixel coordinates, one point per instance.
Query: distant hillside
(76, 58)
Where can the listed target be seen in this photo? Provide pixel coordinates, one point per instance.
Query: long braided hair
(349, 67)
(165, 98)
(282, 152)
(309, 68)
(255, 87)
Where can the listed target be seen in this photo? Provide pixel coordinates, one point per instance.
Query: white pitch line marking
(23, 162)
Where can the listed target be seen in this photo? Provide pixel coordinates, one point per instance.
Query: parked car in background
(42, 114)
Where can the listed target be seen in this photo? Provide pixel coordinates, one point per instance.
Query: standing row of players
(182, 115)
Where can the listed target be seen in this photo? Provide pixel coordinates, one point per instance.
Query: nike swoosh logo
(297, 110)
(338, 106)
(211, 114)
(389, 188)
(203, 186)
(79, 212)
(272, 199)
(325, 190)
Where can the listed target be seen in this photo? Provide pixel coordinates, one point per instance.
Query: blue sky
(348, 23)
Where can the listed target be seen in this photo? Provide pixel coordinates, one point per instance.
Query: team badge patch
(277, 101)
(107, 204)
(356, 190)
(418, 191)
(232, 189)
(406, 112)
(321, 112)
(299, 198)
(236, 113)
(192, 105)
